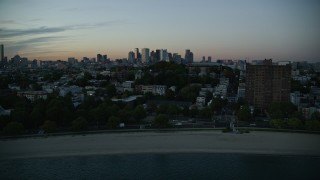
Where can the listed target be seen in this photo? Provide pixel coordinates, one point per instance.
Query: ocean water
(164, 166)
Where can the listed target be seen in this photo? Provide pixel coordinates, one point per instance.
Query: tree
(228, 72)
(315, 116)
(294, 123)
(244, 113)
(217, 104)
(139, 113)
(79, 124)
(13, 128)
(281, 110)
(113, 122)
(4, 81)
(126, 114)
(169, 94)
(206, 112)
(131, 75)
(111, 90)
(100, 113)
(193, 112)
(20, 115)
(197, 70)
(37, 115)
(297, 86)
(99, 76)
(185, 111)
(82, 112)
(4, 120)
(276, 123)
(162, 109)
(313, 125)
(113, 110)
(173, 110)
(189, 93)
(60, 110)
(87, 76)
(49, 126)
(36, 87)
(21, 112)
(161, 121)
(209, 96)
(9, 101)
(298, 115)
(53, 113)
(52, 76)
(82, 82)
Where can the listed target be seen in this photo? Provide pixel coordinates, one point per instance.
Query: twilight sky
(223, 29)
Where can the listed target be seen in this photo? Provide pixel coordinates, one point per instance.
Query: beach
(255, 142)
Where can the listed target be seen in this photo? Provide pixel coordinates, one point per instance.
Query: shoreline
(154, 152)
(119, 131)
(255, 142)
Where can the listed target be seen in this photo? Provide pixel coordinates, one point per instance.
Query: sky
(223, 29)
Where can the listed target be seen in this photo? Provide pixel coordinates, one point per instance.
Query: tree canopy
(13, 128)
(281, 110)
(161, 121)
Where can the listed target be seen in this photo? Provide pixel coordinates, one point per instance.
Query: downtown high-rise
(188, 56)
(137, 54)
(163, 55)
(1, 52)
(131, 57)
(145, 53)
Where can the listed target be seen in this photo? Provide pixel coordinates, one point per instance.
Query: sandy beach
(162, 142)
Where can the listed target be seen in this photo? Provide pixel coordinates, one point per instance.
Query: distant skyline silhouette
(232, 29)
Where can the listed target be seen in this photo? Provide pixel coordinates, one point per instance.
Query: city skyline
(286, 30)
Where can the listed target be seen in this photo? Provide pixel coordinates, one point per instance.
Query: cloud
(43, 52)
(38, 42)
(94, 25)
(36, 19)
(110, 23)
(10, 33)
(41, 40)
(7, 22)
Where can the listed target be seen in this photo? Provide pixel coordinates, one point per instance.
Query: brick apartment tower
(267, 83)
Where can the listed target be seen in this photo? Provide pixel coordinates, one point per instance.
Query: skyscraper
(131, 57)
(176, 58)
(1, 53)
(105, 58)
(188, 56)
(157, 55)
(99, 57)
(163, 55)
(170, 56)
(152, 56)
(267, 83)
(145, 55)
(72, 60)
(137, 53)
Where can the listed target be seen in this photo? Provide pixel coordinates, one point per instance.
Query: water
(164, 166)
